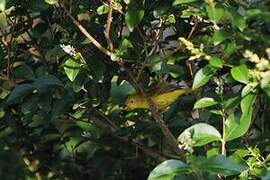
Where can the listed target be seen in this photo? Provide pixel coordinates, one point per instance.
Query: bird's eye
(131, 101)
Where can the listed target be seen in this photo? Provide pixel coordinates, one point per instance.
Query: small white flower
(68, 49)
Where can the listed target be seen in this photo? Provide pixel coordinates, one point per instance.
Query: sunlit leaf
(240, 73)
(205, 102)
(168, 170)
(200, 134)
(203, 76)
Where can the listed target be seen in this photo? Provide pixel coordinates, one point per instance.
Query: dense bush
(67, 67)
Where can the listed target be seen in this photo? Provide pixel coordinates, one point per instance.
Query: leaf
(47, 81)
(161, 8)
(103, 9)
(237, 126)
(200, 134)
(51, 2)
(240, 73)
(248, 89)
(30, 104)
(177, 2)
(218, 164)
(120, 92)
(133, 16)
(72, 68)
(205, 102)
(168, 170)
(203, 76)
(2, 5)
(215, 13)
(216, 62)
(19, 92)
(220, 36)
(238, 20)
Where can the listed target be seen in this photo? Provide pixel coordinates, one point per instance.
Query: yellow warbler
(162, 100)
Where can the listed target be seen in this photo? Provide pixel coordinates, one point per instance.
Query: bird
(162, 100)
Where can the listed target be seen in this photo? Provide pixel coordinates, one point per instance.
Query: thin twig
(88, 35)
(108, 25)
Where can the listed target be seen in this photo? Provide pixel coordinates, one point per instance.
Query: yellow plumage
(162, 100)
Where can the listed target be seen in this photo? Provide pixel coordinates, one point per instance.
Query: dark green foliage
(64, 79)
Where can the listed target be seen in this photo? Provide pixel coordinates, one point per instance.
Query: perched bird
(162, 100)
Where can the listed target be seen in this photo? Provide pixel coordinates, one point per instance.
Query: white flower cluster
(68, 49)
(186, 142)
(262, 63)
(196, 52)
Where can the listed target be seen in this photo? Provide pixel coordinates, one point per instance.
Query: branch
(108, 25)
(88, 35)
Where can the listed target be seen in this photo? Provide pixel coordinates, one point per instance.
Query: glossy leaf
(2, 5)
(168, 170)
(72, 68)
(47, 81)
(203, 76)
(205, 102)
(133, 17)
(51, 2)
(19, 92)
(219, 164)
(240, 73)
(201, 134)
(177, 2)
(215, 13)
(236, 125)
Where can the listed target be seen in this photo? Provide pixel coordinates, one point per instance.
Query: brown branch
(87, 34)
(190, 64)
(108, 26)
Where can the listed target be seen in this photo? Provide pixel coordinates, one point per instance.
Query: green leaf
(219, 164)
(177, 2)
(220, 36)
(168, 170)
(238, 20)
(215, 13)
(248, 89)
(30, 104)
(103, 9)
(133, 17)
(51, 2)
(23, 71)
(72, 67)
(19, 92)
(203, 76)
(120, 92)
(2, 5)
(200, 134)
(216, 62)
(240, 73)
(155, 61)
(237, 126)
(161, 7)
(205, 102)
(45, 82)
